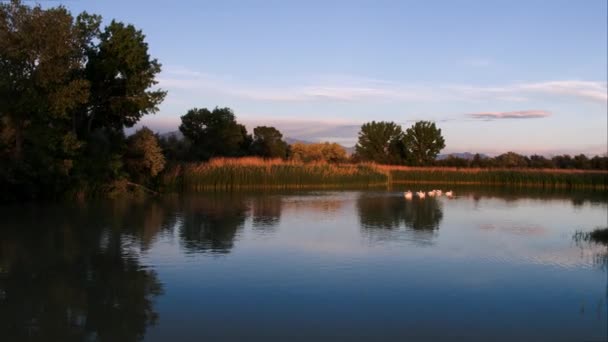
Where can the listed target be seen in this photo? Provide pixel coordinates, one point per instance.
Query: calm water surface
(348, 266)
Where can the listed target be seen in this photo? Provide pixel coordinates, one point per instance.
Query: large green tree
(268, 143)
(40, 57)
(381, 142)
(423, 142)
(214, 133)
(67, 87)
(511, 159)
(121, 74)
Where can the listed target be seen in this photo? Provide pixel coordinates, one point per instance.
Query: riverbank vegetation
(70, 88)
(258, 173)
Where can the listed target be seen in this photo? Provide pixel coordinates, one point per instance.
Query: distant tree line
(386, 143)
(514, 160)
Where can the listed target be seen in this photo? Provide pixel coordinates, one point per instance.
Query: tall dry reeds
(252, 172)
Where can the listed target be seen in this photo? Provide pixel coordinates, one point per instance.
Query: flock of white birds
(433, 193)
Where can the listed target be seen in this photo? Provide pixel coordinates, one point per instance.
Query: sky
(525, 76)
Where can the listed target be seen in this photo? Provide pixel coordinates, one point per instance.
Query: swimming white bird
(449, 193)
(407, 195)
(420, 194)
(438, 192)
(431, 193)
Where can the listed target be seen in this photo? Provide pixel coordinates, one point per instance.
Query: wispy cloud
(344, 90)
(523, 114)
(358, 89)
(595, 91)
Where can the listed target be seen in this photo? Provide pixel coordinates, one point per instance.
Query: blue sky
(528, 76)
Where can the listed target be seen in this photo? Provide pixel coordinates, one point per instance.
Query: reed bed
(257, 173)
(252, 173)
(547, 178)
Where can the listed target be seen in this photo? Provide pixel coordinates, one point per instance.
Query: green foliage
(510, 160)
(67, 90)
(120, 72)
(423, 142)
(381, 142)
(268, 143)
(144, 157)
(37, 66)
(213, 133)
(540, 162)
(175, 149)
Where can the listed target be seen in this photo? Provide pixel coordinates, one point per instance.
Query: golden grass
(253, 172)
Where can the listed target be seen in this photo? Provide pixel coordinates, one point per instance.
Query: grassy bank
(255, 173)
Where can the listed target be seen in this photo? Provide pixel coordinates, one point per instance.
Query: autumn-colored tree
(144, 157)
(328, 152)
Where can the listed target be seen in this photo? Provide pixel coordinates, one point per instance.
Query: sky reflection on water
(487, 265)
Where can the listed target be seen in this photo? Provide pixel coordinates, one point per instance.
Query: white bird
(420, 194)
(449, 193)
(431, 193)
(407, 195)
(438, 192)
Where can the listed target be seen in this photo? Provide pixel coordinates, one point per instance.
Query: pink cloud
(523, 114)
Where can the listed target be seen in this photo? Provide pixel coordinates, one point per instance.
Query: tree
(39, 55)
(174, 149)
(333, 152)
(563, 162)
(144, 157)
(328, 152)
(479, 161)
(423, 142)
(381, 142)
(511, 159)
(268, 143)
(120, 72)
(67, 90)
(540, 162)
(599, 163)
(306, 152)
(213, 133)
(581, 162)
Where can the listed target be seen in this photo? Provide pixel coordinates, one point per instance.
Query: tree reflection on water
(381, 217)
(72, 275)
(211, 223)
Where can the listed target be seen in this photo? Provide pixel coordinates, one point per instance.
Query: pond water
(306, 266)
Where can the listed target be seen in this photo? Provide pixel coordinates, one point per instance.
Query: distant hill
(292, 141)
(463, 155)
(176, 134)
